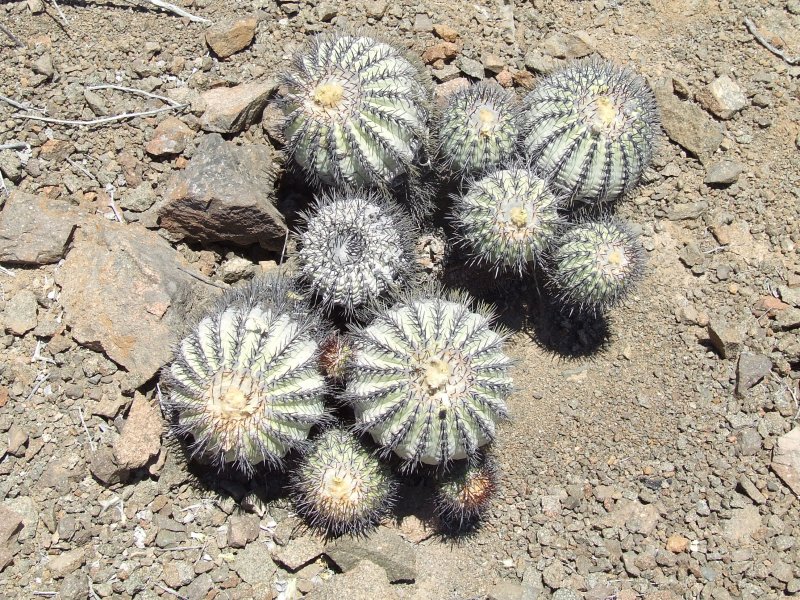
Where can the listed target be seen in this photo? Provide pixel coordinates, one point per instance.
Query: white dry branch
(176, 10)
(753, 29)
(173, 105)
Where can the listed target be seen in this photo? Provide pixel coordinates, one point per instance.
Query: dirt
(632, 468)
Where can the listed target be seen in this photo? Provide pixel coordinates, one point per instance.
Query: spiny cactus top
(508, 217)
(595, 263)
(245, 383)
(466, 491)
(340, 487)
(593, 126)
(355, 248)
(479, 129)
(429, 379)
(356, 109)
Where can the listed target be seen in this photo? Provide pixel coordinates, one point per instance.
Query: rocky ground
(656, 455)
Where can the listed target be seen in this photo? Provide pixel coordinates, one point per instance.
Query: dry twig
(61, 15)
(753, 29)
(201, 277)
(11, 36)
(19, 105)
(14, 146)
(174, 10)
(86, 429)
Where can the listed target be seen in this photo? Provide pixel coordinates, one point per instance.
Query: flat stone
(722, 97)
(744, 522)
(786, 459)
(10, 524)
(688, 125)
(493, 63)
(35, 230)
(725, 172)
(138, 199)
(752, 492)
(19, 315)
(254, 565)
(506, 590)
(384, 547)
(446, 73)
(471, 67)
(568, 45)
(790, 295)
(538, 62)
(243, 529)
(233, 109)
(141, 435)
(26, 508)
(363, 581)
(225, 195)
(64, 563)
(198, 589)
(726, 338)
(751, 369)
(676, 543)
(687, 210)
(178, 573)
(124, 295)
(788, 319)
(229, 37)
(169, 138)
(748, 441)
(299, 552)
(439, 51)
(445, 32)
(103, 467)
(74, 587)
(637, 517)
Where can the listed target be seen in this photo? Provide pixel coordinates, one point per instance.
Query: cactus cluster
(592, 125)
(245, 384)
(356, 111)
(465, 493)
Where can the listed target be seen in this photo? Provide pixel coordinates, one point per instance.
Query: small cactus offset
(340, 487)
(592, 125)
(595, 263)
(356, 111)
(245, 383)
(465, 493)
(356, 248)
(429, 379)
(479, 129)
(508, 218)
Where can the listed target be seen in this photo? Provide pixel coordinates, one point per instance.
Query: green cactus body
(245, 383)
(508, 218)
(356, 248)
(478, 129)
(340, 487)
(592, 125)
(465, 493)
(428, 379)
(595, 263)
(356, 111)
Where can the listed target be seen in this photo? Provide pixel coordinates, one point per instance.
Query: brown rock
(10, 524)
(726, 338)
(104, 467)
(677, 543)
(445, 90)
(141, 436)
(124, 295)
(170, 137)
(524, 79)
(229, 37)
(569, 45)
(504, 78)
(447, 33)
(688, 125)
(786, 459)
(242, 530)
(769, 306)
(65, 563)
(35, 230)
(441, 51)
(225, 194)
(231, 110)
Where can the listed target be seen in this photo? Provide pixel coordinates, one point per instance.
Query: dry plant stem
(169, 590)
(109, 86)
(174, 10)
(102, 121)
(18, 105)
(7, 272)
(14, 146)
(86, 429)
(61, 15)
(753, 29)
(202, 278)
(11, 36)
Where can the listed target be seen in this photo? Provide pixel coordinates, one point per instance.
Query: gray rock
(243, 529)
(470, 67)
(446, 73)
(124, 295)
(689, 210)
(198, 589)
(375, 8)
(19, 315)
(231, 110)
(723, 173)
(751, 369)
(748, 442)
(35, 230)
(237, 268)
(786, 459)
(96, 103)
(26, 508)
(178, 573)
(74, 587)
(254, 565)
(225, 194)
(751, 490)
(64, 563)
(506, 590)
(722, 97)
(385, 548)
(138, 199)
(790, 295)
(554, 575)
(787, 319)
(688, 125)
(230, 36)
(566, 594)
(10, 524)
(44, 65)
(568, 45)
(299, 552)
(726, 338)
(364, 581)
(10, 166)
(538, 62)
(103, 467)
(744, 522)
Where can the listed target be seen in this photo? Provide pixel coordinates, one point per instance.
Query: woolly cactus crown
(355, 248)
(466, 491)
(245, 383)
(340, 487)
(357, 111)
(428, 379)
(595, 263)
(592, 125)
(479, 129)
(508, 217)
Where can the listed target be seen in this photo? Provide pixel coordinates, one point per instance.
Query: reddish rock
(441, 51)
(447, 33)
(231, 110)
(229, 37)
(141, 436)
(169, 138)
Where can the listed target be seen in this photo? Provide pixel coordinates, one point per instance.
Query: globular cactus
(595, 263)
(479, 129)
(429, 379)
(356, 248)
(465, 493)
(593, 126)
(508, 218)
(356, 111)
(245, 383)
(340, 487)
